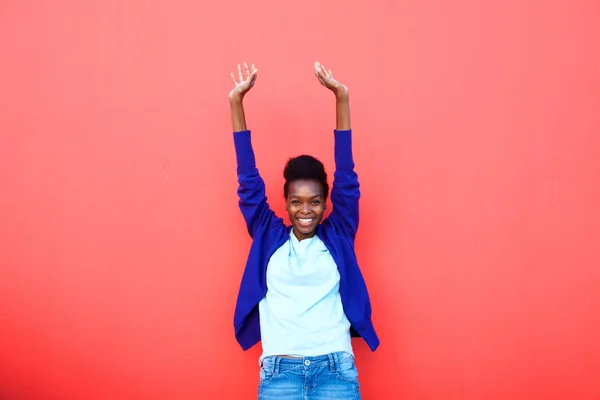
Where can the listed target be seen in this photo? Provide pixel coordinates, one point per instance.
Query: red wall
(477, 140)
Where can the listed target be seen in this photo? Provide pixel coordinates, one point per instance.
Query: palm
(244, 81)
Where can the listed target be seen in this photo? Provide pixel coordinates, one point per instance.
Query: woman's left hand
(326, 78)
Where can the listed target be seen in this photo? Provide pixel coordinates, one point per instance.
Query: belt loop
(332, 363)
(276, 366)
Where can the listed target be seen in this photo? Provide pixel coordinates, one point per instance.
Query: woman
(302, 293)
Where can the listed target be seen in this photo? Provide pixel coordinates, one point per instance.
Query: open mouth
(306, 221)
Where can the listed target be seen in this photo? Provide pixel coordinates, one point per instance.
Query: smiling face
(305, 205)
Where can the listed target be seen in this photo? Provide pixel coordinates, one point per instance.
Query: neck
(302, 236)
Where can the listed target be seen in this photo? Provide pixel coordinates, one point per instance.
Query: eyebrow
(312, 197)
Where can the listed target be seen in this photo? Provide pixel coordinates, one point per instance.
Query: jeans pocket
(267, 370)
(346, 368)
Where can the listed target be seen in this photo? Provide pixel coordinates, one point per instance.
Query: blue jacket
(269, 233)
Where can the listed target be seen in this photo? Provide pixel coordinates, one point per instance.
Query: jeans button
(307, 363)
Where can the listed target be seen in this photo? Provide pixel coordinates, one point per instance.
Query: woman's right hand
(243, 82)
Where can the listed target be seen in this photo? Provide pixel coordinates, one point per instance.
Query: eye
(316, 202)
(295, 202)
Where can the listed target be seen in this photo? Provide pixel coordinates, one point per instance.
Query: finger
(319, 71)
(247, 69)
(233, 78)
(330, 74)
(254, 68)
(326, 74)
(240, 76)
(319, 76)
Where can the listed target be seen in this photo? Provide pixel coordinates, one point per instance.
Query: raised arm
(251, 189)
(345, 193)
(342, 96)
(236, 96)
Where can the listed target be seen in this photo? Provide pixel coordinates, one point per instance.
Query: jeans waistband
(276, 363)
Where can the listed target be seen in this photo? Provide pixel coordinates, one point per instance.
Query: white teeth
(305, 219)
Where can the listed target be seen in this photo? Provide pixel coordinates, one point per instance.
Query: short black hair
(305, 167)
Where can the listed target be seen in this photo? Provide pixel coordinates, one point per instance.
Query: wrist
(236, 98)
(342, 94)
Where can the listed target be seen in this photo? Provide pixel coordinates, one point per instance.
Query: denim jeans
(331, 376)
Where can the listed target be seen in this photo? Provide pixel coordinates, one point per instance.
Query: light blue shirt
(302, 313)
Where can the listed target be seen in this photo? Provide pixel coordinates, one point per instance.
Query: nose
(305, 208)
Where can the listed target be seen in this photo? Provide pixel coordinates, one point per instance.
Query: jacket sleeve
(251, 189)
(345, 193)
